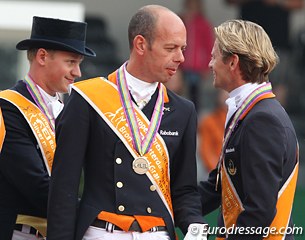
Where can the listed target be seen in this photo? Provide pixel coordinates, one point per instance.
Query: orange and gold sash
(2, 130)
(232, 206)
(45, 137)
(231, 203)
(38, 122)
(284, 205)
(109, 107)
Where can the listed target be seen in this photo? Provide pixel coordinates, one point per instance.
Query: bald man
(136, 142)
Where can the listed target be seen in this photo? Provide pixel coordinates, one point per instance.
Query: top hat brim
(54, 45)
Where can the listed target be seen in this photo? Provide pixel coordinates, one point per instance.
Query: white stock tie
(55, 108)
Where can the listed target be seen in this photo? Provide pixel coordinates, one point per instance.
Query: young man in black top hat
(29, 110)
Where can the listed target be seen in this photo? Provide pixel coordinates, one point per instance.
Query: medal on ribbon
(141, 143)
(140, 165)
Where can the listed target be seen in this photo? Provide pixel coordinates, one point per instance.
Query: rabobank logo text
(169, 133)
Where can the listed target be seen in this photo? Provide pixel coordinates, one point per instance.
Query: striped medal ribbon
(36, 95)
(141, 142)
(255, 96)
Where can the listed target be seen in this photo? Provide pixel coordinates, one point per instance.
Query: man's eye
(170, 49)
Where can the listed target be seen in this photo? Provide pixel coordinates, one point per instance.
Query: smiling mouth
(70, 80)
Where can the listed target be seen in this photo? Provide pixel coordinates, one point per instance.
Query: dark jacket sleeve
(185, 196)
(21, 162)
(210, 196)
(263, 148)
(72, 137)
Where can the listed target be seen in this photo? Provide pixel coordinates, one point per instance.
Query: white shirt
(141, 91)
(53, 103)
(237, 96)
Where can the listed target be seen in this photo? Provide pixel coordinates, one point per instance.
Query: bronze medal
(140, 165)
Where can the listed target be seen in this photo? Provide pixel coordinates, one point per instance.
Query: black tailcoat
(24, 180)
(262, 150)
(84, 140)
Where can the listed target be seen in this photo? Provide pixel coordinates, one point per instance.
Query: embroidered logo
(231, 168)
(169, 133)
(167, 109)
(116, 118)
(230, 150)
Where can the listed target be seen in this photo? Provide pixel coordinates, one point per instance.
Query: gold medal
(140, 165)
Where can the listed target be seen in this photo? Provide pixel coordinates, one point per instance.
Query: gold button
(148, 210)
(119, 184)
(118, 160)
(152, 188)
(121, 208)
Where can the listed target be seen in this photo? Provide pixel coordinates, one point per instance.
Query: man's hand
(197, 231)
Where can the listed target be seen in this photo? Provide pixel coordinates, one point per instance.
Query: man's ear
(234, 61)
(41, 56)
(139, 44)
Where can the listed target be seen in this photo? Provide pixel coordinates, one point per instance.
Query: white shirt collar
(47, 97)
(237, 96)
(141, 91)
(53, 102)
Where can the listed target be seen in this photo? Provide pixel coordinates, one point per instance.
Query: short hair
(31, 53)
(253, 46)
(142, 23)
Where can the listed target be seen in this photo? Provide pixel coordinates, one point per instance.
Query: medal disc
(140, 165)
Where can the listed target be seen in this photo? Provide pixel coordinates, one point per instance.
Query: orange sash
(103, 96)
(231, 204)
(284, 205)
(38, 123)
(45, 137)
(2, 130)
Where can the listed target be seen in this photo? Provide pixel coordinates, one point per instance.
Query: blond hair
(253, 46)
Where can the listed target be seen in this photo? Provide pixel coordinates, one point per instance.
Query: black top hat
(57, 34)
